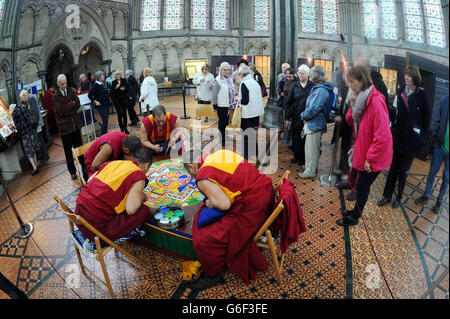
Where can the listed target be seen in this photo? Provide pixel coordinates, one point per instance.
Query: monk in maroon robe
(235, 187)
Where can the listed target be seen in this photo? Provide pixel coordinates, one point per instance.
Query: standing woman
(149, 93)
(99, 94)
(223, 95)
(252, 106)
(295, 105)
(120, 99)
(26, 124)
(411, 125)
(204, 82)
(372, 151)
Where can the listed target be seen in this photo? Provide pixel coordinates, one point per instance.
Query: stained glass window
(220, 14)
(369, 11)
(2, 3)
(199, 14)
(412, 10)
(329, 16)
(434, 22)
(150, 15)
(173, 14)
(307, 15)
(389, 25)
(261, 15)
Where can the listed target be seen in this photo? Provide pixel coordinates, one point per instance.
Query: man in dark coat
(66, 105)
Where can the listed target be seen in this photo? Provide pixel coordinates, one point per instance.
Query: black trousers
(10, 289)
(131, 112)
(397, 174)
(365, 181)
(222, 112)
(69, 141)
(298, 143)
(252, 122)
(121, 105)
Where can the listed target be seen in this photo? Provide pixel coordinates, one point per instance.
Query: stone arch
(142, 47)
(88, 11)
(30, 57)
(172, 44)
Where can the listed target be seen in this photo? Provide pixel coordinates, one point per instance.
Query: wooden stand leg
(102, 262)
(274, 255)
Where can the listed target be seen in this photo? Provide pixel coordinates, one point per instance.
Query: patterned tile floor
(329, 262)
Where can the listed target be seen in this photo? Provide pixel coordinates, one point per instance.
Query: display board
(7, 126)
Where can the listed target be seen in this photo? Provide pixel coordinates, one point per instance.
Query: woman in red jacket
(372, 151)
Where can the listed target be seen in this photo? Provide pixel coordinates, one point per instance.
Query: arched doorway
(90, 60)
(60, 62)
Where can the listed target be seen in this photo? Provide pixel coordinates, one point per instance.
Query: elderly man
(315, 121)
(281, 78)
(157, 129)
(132, 92)
(85, 84)
(66, 105)
(34, 108)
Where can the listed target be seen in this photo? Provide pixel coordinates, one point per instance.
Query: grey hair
(60, 77)
(23, 92)
(159, 110)
(224, 65)
(128, 72)
(304, 68)
(245, 70)
(82, 76)
(98, 75)
(317, 74)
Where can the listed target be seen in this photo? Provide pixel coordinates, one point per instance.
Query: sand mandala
(170, 184)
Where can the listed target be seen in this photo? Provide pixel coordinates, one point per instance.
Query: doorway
(60, 62)
(90, 60)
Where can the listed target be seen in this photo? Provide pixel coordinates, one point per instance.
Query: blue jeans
(104, 114)
(439, 156)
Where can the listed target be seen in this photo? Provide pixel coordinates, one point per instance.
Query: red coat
(374, 142)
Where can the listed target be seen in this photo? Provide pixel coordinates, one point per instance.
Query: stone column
(42, 75)
(284, 48)
(444, 4)
(75, 68)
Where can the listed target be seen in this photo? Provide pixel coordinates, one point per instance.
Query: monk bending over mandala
(112, 200)
(239, 200)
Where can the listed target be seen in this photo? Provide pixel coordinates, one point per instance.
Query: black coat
(378, 83)
(296, 102)
(101, 94)
(132, 89)
(118, 94)
(415, 114)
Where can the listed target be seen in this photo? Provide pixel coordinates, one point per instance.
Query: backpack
(331, 107)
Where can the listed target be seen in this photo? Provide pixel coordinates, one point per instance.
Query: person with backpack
(315, 119)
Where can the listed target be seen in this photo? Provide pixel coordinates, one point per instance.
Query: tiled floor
(391, 253)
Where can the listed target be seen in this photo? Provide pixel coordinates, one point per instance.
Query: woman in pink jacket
(372, 151)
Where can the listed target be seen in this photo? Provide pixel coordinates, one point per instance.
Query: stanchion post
(25, 229)
(185, 117)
